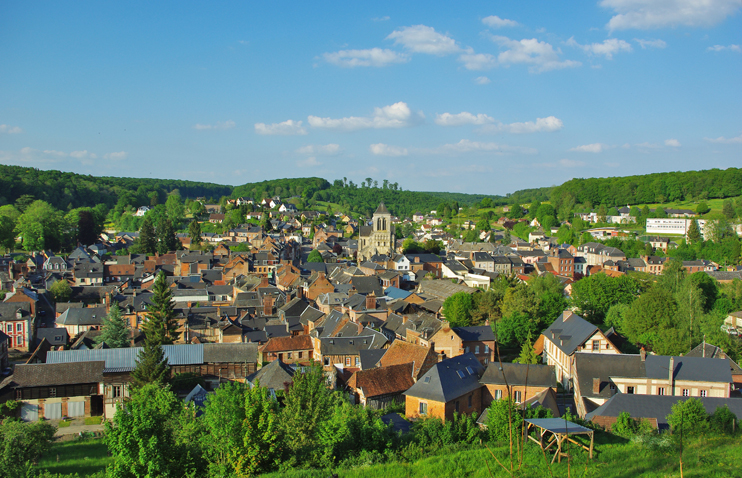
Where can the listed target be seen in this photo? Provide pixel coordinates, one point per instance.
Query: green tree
(457, 309)
(161, 325)
(8, 217)
(516, 212)
(694, 233)
(702, 208)
(515, 328)
(528, 353)
(504, 420)
(315, 256)
(41, 227)
(594, 295)
(21, 444)
(650, 318)
(61, 291)
(166, 239)
(115, 330)
(175, 208)
(521, 299)
(147, 237)
(86, 233)
(145, 437)
(688, 417)
(194, 232)
(723, 420)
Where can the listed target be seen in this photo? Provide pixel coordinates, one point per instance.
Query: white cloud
(650, 43)
(496, 22)
(424, 39)
(447, 119)
(468, 146)
(229, 124)
(608, 48)
(482, 80)
(734, 48)
(647, 14)
(6, 128)
(590, 148)
(309, 162)
(478, 61)
(550, 123)
(371, 57)
(116, 156)
(541, 55)
(286, 128)
(723, 140)
(381, 149)
(380, 19)
(320, 149)
(83, 155)
(397, 115)
(673, 143)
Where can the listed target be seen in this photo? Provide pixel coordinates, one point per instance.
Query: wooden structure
(560, 431)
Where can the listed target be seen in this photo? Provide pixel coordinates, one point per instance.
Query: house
(451, 385)
(55, 264)
(379, 387)
(562, 262)
(15, 322)
(401, 352)
(519, 382)
(216, 218)
(477, 340)
(142, 211)
(289, 350)
(568, 334)
(276, 376)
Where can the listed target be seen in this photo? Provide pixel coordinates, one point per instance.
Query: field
(84, 457)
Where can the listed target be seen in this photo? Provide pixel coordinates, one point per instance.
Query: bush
(723, 420)
(688, 417)
(502, 414)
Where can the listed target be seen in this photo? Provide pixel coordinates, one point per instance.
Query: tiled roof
(383, 380)
(449, 379)
(519, 374)
(51, 374)
(404, 352)
(285, 344)
(230, 353)
(569, 331)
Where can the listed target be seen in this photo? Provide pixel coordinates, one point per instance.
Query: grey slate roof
(273, 376)
(519, 374)
(603, 366)
(697, 369)
(46, 374)
(84, 316)
(8, 310)
(449, 379)
(658, 406)
(475, 333)
(571, 333)
(370, 358)
(230, 353)
(350, 345)
(712, 351)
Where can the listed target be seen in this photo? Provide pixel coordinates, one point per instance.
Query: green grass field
(82, 457)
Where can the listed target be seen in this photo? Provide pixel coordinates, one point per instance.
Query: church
(377, 238)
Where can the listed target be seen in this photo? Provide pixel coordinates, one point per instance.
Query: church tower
(377, 238)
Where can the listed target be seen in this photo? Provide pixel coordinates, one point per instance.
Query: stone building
(377, 238)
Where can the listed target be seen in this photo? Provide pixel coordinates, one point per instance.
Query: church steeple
(381, 209)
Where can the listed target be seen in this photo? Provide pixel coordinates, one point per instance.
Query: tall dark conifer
(166, 238)
(147, 238)
(161, 325)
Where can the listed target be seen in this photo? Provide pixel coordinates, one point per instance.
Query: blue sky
(483, 97)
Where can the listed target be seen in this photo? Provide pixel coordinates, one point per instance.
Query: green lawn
(82, 457)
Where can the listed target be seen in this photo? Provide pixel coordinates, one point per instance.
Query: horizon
(455, 98)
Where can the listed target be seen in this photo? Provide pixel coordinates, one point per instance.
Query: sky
(481, 97)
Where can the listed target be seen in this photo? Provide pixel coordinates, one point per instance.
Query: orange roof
(383, 380)
(401, 352)
(286, 344)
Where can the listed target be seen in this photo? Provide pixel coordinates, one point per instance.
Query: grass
(82, 457)
(93, 420)
(63, 424)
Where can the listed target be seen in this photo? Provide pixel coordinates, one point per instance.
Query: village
(264, 303)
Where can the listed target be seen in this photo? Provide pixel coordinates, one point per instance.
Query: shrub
(723, 420)
(688, 417)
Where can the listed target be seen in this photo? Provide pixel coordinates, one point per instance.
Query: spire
(382, 209)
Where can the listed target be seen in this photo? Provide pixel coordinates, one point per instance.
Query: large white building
(673, 225)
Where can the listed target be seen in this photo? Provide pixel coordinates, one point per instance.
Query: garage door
(76, 409)
(30, 413)
(53, 411)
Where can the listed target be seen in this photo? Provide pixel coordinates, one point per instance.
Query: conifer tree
(166, 239)
(161, 325)
(528, 353)
(194, 232)
(147, 238)
(115, 332)
(152, 366)
(694, 234)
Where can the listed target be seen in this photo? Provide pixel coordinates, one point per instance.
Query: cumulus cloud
(309, 162)
(540, 55)
(424, 39)
(482, 80)
(550, 123)
(648, 14)
(116, 156)
(468, 146)
(608, 48)
(448, 119)
(723, 140)
(320, 149)
(286, 128)
(7, 129)
(650, 43)
(371, 57)
(734, 48)
(478, 61)
(397, 115)
(496, 22)
(590, 148)
(673, 143)
(381, 149)
(229, 124)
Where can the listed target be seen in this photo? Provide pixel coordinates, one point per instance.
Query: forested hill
(652, 188)
(69, 190)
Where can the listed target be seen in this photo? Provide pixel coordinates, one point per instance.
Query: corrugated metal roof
(184, 354)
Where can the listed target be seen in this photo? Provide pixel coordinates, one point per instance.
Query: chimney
(566, 315)
(596, 385)
(264, 282)
(371, 301)
(300, 292)
(643, 354)
(671, 371)
(268, 305)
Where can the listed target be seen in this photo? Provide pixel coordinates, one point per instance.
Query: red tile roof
(383, 380)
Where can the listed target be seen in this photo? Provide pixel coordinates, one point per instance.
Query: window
(630, 390)
(347, 361)
(460, 373)
(301, 354)
(423, 408)
(660, 390)
(686, 392)
(10, 327)
(470, 399)
(516, 396)
(476, 350)
(703, 393)
(486, 349)
(116, 391)
(288, 355)
(358, 361)
(613, 387)
(427, 379)
(19, 327)
(498, 394)
(466, 350)
(327, 361)
(596, 344)
(52, 392)
(486, 360)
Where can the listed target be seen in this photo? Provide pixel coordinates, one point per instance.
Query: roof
(449, 379)
(82, 316)
(8, 310)
(569, 331)
(559, 425)
(126, 358)
(370, 358)
(382, 209)
(405, 352)
(657, 406)
(709, 351)
(519, 374)
(589, 366)
(476, 333)
(285, 344)
(443, 289)
(383, 380)
(350, 345)
(46, 374)
(696, 369)
(231, 353)
(274, 376)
